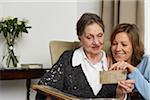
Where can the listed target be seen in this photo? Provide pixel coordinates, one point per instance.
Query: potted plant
(10, 29)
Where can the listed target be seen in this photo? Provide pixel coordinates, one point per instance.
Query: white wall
(147, 24)
(50, 20)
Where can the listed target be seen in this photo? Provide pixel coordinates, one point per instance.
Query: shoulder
(145, 66)
(64, 60)
(145, 63)
(66, 56)
(146, 57)
(146, 54)
(67, 53)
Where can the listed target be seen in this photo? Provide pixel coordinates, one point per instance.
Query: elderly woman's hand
(121, 65)
(124, 87)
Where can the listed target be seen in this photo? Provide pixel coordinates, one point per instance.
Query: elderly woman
(77, 71)
(128, 53)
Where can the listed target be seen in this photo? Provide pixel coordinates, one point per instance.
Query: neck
(94, 58)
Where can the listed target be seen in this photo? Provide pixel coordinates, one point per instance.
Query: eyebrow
(92, 34)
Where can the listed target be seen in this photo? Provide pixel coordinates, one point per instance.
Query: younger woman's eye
(124, 45)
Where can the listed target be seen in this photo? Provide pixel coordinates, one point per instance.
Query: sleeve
(141, 84)
(54, 77)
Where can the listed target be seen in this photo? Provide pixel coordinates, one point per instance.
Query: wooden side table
(26, 73)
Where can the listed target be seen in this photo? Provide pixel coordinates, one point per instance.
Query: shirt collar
(79, 56)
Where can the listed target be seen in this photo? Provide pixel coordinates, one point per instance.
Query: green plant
(11, 28)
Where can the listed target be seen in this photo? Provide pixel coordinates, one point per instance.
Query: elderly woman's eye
(114, 43)
(100, 35)
(88, 37)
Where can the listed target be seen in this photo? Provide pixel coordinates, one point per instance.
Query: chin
(118, 59)
(95, 53)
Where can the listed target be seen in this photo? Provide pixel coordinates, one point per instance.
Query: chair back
(58, 47)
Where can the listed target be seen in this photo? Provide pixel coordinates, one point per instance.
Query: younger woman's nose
(118, 47)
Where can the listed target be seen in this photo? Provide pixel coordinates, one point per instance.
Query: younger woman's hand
(121, 65)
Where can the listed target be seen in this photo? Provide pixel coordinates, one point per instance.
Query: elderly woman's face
(92, 39)
(122, 47)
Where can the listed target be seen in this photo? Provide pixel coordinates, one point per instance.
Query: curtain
(114, 12)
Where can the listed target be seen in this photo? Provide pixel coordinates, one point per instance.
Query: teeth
(119, 53)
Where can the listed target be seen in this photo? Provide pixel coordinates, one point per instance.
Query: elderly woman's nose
(95, 40)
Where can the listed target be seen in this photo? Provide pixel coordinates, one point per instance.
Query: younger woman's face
(122, 47)
(92, 39)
